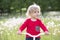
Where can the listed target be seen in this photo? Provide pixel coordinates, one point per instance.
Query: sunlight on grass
(9, 28)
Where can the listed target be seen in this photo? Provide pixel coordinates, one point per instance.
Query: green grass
(12, 34)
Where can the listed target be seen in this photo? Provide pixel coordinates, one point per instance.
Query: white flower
(59, 31)
(1, 32)
(54, 33)
(13, 22)
(58, 25)
(51, 24)
(1, 28)
(1, 22)
(8, 33)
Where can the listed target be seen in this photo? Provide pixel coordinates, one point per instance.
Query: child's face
(34, 13)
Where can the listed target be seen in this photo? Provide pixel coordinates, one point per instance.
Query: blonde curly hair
(32, 7)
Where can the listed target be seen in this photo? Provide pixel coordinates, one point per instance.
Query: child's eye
(38, 11)
(35, 12)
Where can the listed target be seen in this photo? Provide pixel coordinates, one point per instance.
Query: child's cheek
(34, 14)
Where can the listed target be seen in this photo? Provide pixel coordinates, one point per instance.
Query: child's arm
(22, 27)
(43, 27)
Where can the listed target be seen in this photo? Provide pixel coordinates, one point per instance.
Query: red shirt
(33, 27)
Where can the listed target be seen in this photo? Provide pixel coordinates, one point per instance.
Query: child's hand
(19, 32)
(46, 32)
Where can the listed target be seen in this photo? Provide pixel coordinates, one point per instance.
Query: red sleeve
(23, 26)
(43, 26)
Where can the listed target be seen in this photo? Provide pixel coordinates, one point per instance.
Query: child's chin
(36, 17)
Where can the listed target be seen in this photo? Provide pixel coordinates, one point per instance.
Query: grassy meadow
(10, 26)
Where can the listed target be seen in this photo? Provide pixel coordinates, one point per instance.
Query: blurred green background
(12, 15)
